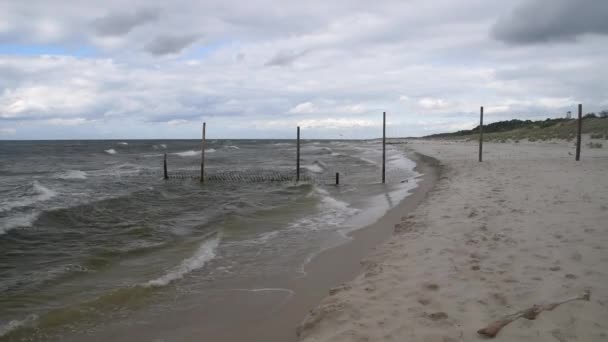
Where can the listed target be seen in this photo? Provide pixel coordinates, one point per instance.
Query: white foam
(16, 324)
(163, 145)
(332, 212)
(22, 221)
(204, 253)
(110, 151)
(123, 143)
(72, 174)
(232, 147)
(316, 167)
(41, 194)
(192, 153)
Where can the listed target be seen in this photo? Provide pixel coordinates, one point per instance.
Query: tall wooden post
(480, 134)
(203, 154)
(580, 131)
(298, 157)
(166, 175)
(383, 147)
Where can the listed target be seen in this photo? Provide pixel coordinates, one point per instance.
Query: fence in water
(254, 175)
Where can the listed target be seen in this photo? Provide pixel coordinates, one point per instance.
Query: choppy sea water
(91, 234)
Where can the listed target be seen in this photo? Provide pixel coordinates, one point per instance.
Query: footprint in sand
(430, 286)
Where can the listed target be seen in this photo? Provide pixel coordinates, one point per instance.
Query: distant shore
(526, 226)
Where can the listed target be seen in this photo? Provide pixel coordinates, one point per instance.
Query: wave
(72, 174)
(110, 151)
(192, 153)
(332, 212)
(18, 222)
(318, 150)
(204, 253)
(16, 324)
(316, 167)
(232, 147)
(37, 193)
(123, 143)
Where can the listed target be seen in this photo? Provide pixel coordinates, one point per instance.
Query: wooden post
(298, 157)
(480, 133)
(166, 175)
(203, 154)
(580, 131)
(383, 147)
(337, 178)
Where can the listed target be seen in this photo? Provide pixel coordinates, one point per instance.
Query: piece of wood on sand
(492, 329)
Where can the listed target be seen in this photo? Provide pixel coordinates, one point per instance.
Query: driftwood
(493, 328)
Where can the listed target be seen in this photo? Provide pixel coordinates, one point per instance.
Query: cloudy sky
(257, 69)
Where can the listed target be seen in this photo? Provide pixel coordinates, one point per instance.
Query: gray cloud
(539, 21)
(169, 44)
(284, 58)
(118, 24)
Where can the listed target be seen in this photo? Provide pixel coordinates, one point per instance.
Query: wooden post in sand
(298, 157)
(480, 133)
(383, 147)
(337, 178)
(580, 131)
(203, 154)
(165, 175)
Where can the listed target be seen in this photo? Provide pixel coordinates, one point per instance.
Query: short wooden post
(480, 133)
(166, 175)
(203, 154)
(579, 133)
(298, 157)
(383, 147)
(337, 178)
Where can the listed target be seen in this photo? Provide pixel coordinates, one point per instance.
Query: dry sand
(526, 226)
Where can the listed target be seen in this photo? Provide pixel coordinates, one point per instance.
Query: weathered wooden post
(480, 133)
(298, 157)
(580, 131)
(337, 178)
(383, 147)
(203, 154)
(166, 175)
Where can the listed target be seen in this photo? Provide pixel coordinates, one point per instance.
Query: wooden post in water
(337, 178)
(480, 133)
(166, 175)
(298, 157)
(580, 131)
(203, 154)
(383, 147)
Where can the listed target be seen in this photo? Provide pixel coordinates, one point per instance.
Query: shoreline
(337, 265)
(525, 227)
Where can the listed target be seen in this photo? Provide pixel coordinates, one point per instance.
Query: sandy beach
(527, 226)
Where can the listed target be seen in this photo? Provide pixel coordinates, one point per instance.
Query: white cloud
(303, 108)
(67, 122)
(337, 123)
(432, 103)
(321, 64)
(7, 131)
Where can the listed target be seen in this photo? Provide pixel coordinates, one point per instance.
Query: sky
(116, 69)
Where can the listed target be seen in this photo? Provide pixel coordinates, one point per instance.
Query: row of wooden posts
(578, 133)
(166, 174)
(202, 177)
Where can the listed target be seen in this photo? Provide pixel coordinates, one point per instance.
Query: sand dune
(526, 226)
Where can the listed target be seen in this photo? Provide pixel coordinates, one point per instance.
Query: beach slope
(526, 226)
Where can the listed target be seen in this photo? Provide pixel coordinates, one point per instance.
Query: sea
(92, 236)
